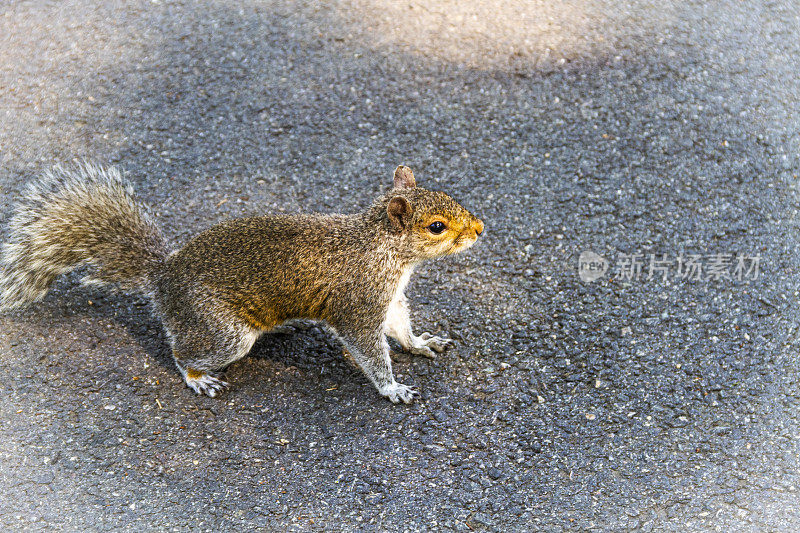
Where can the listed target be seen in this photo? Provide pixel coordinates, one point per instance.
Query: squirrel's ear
(399, 211)
(404, 178)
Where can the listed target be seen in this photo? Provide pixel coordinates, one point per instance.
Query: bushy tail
(74, 216)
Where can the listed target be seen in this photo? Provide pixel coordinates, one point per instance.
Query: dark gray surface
(653, 128)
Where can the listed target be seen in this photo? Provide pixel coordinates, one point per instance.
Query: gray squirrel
(241, 278)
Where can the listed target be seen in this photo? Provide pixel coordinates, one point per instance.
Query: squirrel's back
(277, 267)
(85, 214)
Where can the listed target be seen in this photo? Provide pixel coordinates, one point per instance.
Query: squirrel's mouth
(461, 243)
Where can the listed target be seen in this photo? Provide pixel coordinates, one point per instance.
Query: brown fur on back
(272, 268)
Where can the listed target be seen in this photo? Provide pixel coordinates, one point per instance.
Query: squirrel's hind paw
(204, 383)
(397, 392)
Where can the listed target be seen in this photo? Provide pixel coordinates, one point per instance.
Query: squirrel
(243, 277)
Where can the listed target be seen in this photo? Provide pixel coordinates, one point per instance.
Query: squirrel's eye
(437, 227)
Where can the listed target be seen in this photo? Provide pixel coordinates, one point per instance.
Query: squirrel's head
(434, 224)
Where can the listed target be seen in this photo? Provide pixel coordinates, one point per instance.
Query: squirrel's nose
(478, 226)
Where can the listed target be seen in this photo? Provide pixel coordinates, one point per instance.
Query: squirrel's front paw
(204, 383)
(397, 392)
(427, 344)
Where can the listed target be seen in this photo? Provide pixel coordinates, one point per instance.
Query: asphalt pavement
(661, 137)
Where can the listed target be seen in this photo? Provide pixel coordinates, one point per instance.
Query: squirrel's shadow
(306, 346)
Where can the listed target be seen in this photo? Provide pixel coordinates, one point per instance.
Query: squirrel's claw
(206, 384)
(397, 392)
(427, 345)
(424, 351)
